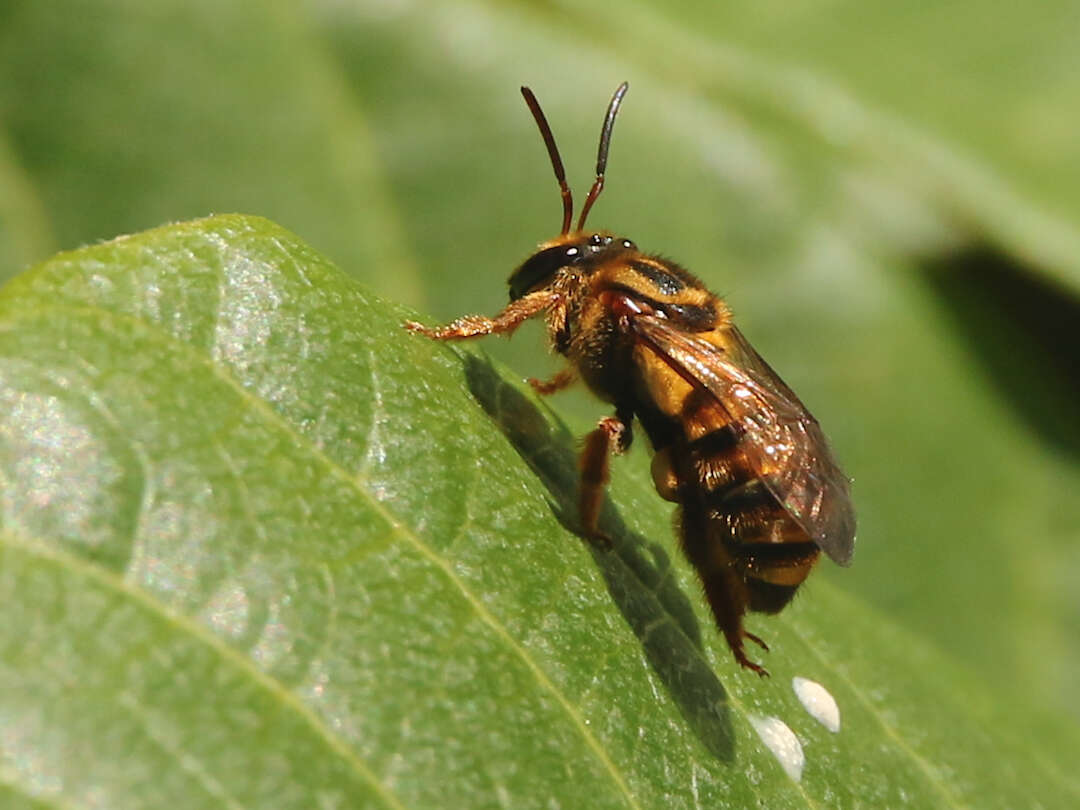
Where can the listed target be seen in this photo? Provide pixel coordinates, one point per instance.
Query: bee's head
(571, 250)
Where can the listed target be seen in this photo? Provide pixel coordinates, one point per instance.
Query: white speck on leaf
(818, 701)
(783, 744)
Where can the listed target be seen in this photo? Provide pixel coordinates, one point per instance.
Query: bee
(759, 493)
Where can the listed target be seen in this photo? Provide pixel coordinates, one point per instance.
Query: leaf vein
(111, 581)
(186, 762)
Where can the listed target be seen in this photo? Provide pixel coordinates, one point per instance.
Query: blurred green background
(887, 196)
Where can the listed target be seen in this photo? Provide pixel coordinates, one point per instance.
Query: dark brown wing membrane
(782, 441)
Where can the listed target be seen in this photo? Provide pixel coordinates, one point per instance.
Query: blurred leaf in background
(885, 195)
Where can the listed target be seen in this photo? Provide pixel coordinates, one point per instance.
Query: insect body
(760, 495)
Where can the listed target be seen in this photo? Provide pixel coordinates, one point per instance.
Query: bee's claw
(756, 640)
(748, 664)
(735, 639)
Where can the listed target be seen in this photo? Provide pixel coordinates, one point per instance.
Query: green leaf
(885, 194)
(261, 547)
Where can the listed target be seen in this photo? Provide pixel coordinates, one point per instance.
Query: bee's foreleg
(515, 314)
(612, 435)
(556, 383)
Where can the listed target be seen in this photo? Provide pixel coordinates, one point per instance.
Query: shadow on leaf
(637, 572)
(1023, 331)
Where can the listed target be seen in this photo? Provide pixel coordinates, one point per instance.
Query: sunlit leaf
(261, 547)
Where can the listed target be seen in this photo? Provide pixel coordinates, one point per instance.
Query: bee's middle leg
(612, 435)
(557, 383)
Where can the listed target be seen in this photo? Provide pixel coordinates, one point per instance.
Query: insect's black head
(539, 269)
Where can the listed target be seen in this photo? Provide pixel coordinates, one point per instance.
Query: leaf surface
(263, 548)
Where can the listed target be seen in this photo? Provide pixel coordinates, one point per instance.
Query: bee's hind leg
(756, 640)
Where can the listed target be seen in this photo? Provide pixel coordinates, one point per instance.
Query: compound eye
(541, 268)
(626, 243)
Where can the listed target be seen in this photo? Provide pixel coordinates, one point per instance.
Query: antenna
(556, 161)
(602, 152)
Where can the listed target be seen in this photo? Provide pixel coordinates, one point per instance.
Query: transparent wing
(781, 440)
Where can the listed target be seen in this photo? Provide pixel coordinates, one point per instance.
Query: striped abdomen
(747, 550)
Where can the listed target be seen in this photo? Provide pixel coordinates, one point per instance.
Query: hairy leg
(612, 435)
(515, 314)
(556, 383)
